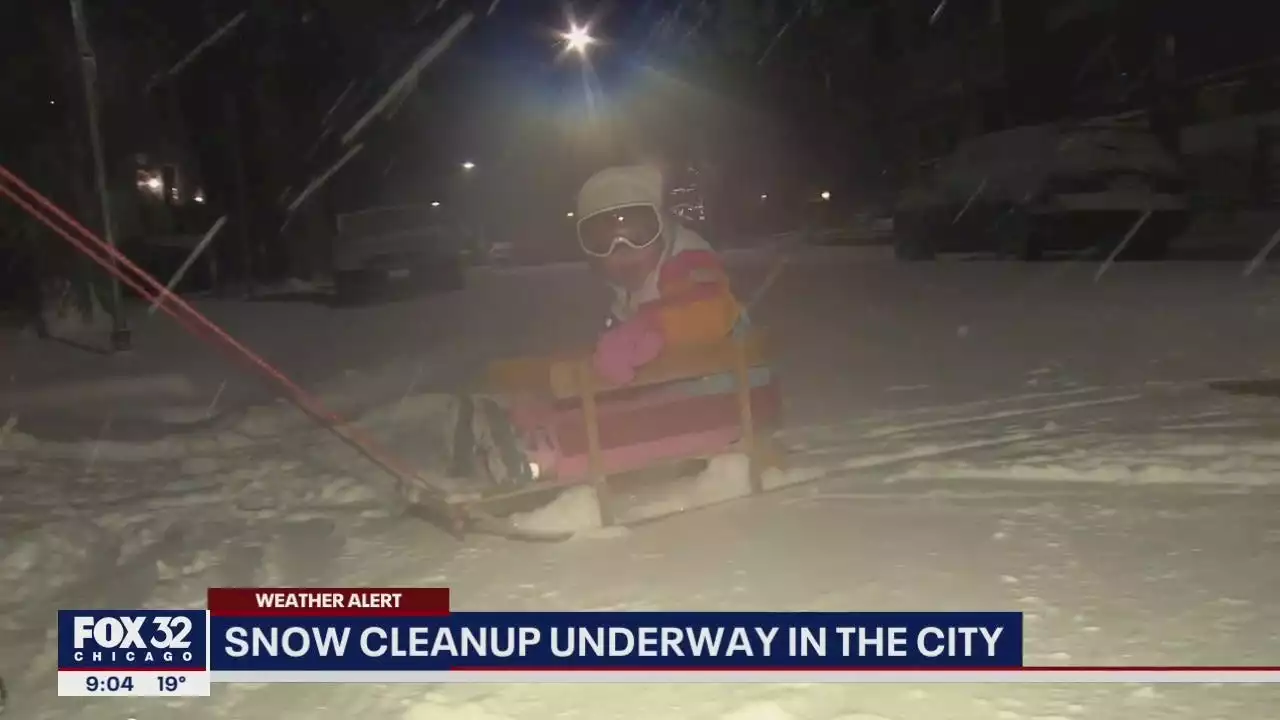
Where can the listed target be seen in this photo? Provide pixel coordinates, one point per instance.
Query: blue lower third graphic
(618, 641)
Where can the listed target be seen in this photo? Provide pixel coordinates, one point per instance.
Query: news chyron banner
(384, 635)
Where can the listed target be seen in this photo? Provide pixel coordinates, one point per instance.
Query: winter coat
(687, 297)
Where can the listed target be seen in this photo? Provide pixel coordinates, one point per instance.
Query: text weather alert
(129, 640)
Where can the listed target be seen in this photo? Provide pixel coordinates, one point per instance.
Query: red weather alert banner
(346, 602)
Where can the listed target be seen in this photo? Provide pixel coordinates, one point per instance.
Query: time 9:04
(110, 683)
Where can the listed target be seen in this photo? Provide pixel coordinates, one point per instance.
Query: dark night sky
(511, 45)
(499, 97)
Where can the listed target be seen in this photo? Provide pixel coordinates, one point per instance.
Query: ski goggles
(636, 226)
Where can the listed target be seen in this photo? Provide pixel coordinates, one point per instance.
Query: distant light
(435, 203)
(764, 196)
(151, 183)
(826, 195)
(578, 38)
(468, 165)
(198, 197)
(52, 102)
(569, 214)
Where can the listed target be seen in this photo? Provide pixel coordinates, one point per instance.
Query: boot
(488, 447)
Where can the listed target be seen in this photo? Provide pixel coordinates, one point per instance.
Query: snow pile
(97, 450)
(426, 416)
(726, 477)
(40, 560)
(264, 421)
(12, 440)
(290, 286)
(1012, 164)
(63, 317)
(6, 432)
(113, 388)
(576, 510)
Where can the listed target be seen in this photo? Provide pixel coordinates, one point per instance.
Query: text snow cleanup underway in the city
(719, 360)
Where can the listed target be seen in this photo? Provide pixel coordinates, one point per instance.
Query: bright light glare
(199, 196)
(569, 214)
(468, 165)
(764, 196)
(578, 38)
(435, 203)
(826, 195)
(154, 183)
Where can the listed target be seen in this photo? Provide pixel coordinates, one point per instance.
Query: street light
(578, 39)
(468, 165)
(569, 214)
(435, 203)
(826, 195)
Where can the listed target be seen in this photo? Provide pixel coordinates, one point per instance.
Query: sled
(691, 403)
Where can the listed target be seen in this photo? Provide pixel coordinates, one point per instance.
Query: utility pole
(233, 146)
(120, 336)
(240, 201)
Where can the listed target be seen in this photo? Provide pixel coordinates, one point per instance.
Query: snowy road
(980, 435)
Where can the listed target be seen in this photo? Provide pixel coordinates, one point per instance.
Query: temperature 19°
(170, 683)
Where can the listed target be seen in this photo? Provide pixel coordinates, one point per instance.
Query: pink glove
(627, 347)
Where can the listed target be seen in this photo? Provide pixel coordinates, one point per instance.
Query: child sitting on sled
(670, 289)
(669, 286)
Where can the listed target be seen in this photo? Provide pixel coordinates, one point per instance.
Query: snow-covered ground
(977, 435)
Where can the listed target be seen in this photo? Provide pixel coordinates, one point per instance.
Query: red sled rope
(193, 321)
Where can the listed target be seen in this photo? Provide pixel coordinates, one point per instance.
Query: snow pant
(476, 440)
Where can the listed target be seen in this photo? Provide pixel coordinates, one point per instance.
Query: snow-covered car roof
(1014, 162)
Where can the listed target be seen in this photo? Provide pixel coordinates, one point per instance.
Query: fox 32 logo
(127, 640)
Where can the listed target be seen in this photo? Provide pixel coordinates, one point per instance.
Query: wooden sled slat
(767, 452)
(677, 363)
(520, 376)
(573, 377)
(559, 376)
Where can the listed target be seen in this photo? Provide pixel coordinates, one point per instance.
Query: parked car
(501, 253)
(1040, 188)
(389, 247)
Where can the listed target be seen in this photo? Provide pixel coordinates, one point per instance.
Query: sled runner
(693, 402)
